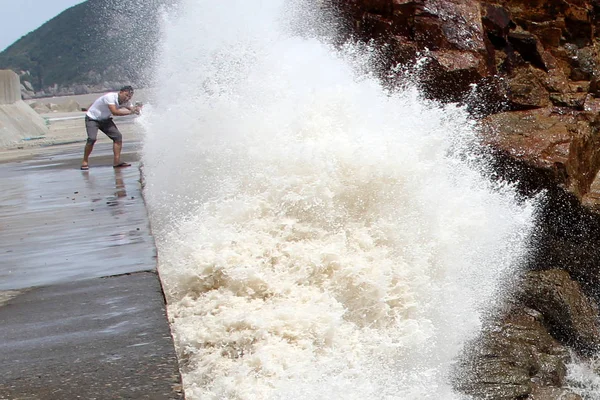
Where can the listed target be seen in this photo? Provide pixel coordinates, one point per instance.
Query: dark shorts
(107, 126)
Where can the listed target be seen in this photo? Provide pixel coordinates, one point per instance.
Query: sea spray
(583, 376)
(318, 236)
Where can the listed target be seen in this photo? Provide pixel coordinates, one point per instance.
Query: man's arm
(123, 111)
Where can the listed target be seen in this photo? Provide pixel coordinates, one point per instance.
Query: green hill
(96, 43)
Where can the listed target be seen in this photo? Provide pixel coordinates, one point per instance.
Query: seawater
(319, 236)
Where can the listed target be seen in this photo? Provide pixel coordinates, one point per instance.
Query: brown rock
(573, 100)
(592, 198)
(554, 80)
(377, 6)
(548, 32)
(457, 22)
(513, 356)
(591, 104)
(579, 86)
(449, 73)
(552, 393)
(403, 16)
(405, 51)
(584, 153)
(566, 144)
(540, 137)
(584, 64)
(594, 87)
(524, 89)
(564, 58)
(376, 24)
(578, 19)
(530, 48)
(569, 314)
(497, 22)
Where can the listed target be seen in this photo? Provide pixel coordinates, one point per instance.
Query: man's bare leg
(86, 154)
(117, 146)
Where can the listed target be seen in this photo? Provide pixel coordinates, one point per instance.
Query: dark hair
(127, 89)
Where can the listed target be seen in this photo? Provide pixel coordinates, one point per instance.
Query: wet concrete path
(59, 224)
(81, 308)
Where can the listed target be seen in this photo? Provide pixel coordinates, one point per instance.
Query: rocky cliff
(529, 70)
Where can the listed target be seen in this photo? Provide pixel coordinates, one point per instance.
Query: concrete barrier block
(10, 87)
(17, 119)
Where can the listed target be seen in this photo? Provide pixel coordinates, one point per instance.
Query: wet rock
(450, 25)
(555, 80)
(541, 137)
(591, 104)
(578, 21)
(513, 357)
(548, 32)
(497, 22)
(580, 86)
(451, 31)
(566, 144)
(525, 90)
(569, 314)
(530, 48)
(449, 73)
(584, 64)
(572, 100)
(552, 393)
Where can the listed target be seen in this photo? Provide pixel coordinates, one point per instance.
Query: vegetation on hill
(91, 43)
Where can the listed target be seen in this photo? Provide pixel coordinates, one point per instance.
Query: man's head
(125, 94)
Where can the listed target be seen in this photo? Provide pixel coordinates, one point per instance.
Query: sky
(19, 17)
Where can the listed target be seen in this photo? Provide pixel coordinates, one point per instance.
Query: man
(99, 116)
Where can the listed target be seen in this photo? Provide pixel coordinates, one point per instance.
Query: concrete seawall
(17, 119)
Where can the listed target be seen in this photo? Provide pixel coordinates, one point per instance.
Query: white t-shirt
(99, 109)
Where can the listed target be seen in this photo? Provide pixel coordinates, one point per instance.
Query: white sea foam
(319, 238)
(583, 377)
